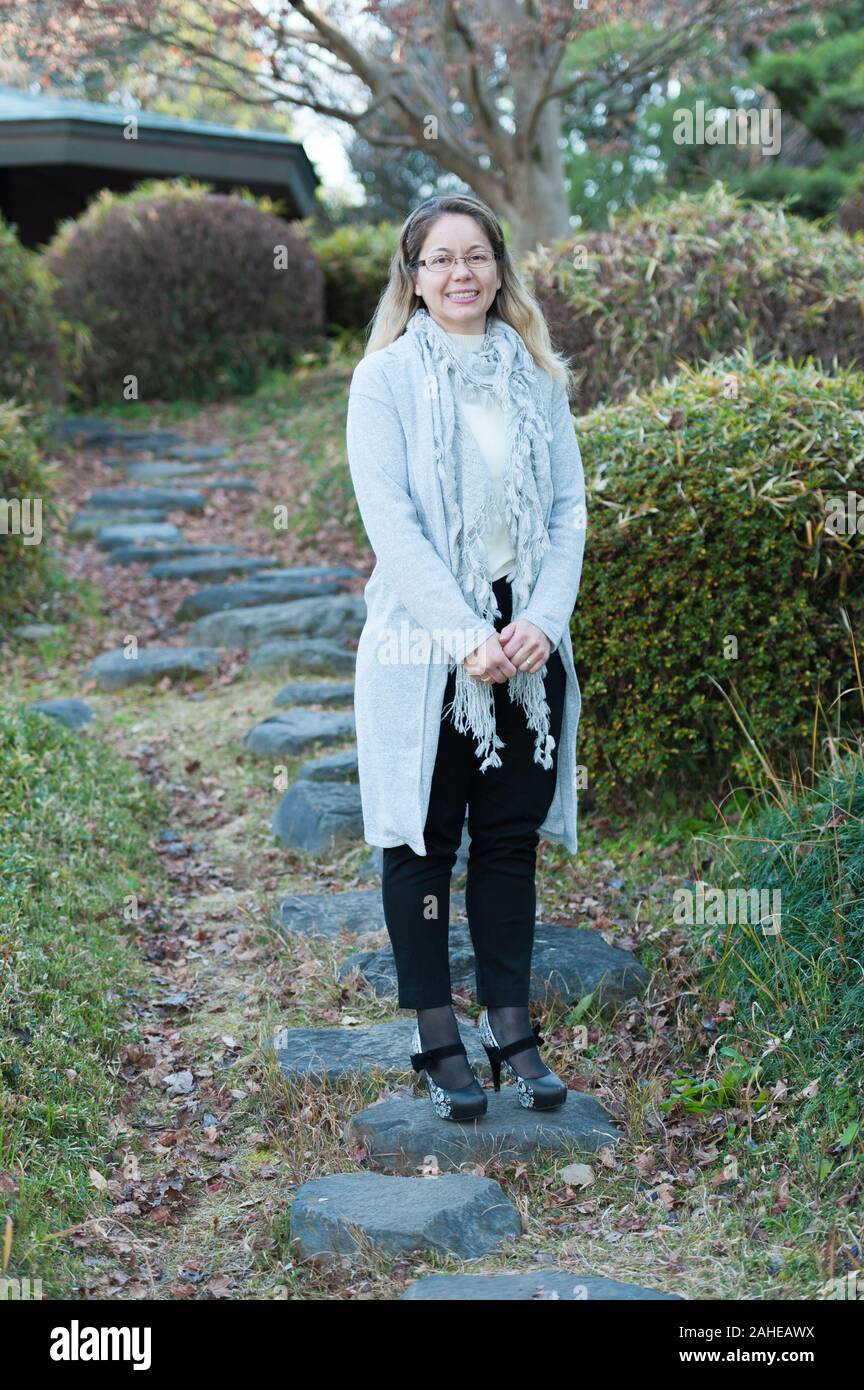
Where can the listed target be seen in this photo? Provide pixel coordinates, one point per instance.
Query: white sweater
(488, 424)
(412, 593)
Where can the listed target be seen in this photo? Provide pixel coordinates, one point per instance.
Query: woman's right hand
(489, 662)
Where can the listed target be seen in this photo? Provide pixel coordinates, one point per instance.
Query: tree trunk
(536, 202)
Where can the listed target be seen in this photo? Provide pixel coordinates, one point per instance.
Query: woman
(469, 481)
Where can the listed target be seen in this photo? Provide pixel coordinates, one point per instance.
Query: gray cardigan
(417, 616)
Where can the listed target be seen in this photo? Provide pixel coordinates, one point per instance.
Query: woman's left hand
(526, 645)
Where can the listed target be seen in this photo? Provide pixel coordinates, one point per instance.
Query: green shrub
(691, 279)
(179, 288)
(812, 192)
(707, 522)
(356, 265)
(30, 370)
(24, 567)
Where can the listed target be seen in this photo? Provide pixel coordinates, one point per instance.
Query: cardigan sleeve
(412, 567)
(553, 597)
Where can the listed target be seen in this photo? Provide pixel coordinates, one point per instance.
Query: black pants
(506, 805)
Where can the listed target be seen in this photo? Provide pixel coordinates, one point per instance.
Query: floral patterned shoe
(534, 1092)
(464, 1104)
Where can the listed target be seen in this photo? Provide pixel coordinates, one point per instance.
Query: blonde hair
(513, 302)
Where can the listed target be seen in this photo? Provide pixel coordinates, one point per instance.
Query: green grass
(139, 412)
(68, 604)
(801, 987)
(74, 827)
(788, 1011)
(308, 404)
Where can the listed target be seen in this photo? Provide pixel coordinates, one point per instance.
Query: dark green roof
(43, 128)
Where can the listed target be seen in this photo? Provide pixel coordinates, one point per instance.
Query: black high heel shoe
(534, 1092)
(466, 1103)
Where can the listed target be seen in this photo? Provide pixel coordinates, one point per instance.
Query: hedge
(707, 522)
(692, 279)
(356, 265)
(30, 370)
(24, 499)
(182, 290)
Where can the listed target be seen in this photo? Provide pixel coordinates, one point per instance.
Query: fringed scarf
(505, 370)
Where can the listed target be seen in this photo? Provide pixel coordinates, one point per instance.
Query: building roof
(44, 129)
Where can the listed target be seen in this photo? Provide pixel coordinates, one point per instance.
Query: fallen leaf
(577, 1175)
(179, 1083)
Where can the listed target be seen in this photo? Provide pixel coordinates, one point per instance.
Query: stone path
(299, 621)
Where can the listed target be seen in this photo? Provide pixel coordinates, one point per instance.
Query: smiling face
(457, 298)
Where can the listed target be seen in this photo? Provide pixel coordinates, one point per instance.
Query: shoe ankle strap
(435, 1054)
(521, 1043)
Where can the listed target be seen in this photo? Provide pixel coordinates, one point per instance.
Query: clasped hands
(520, 646)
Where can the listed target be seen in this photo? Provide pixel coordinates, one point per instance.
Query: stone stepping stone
(461, 1214)
(165, 468)
(218, 597)
(111, 537)
(567, 963)
(340, 616)
(141, 441)
(200, 451)
(150, 441)
(91, 523)
(35, 632)
(207, 566)
(374, 865)
(378, 968)
(328, 914)
(533, 1283)
(283, 585)
(176, 457)
(230, 484)
(148, 554)
(312, 572)
(333, 767)
(316, 693)
(90, 429)
(312, 815)
(298, 731)
(114, 670)
(73, 713)
(399, 1132)
(318, 656)
(169, 499)
(337, 1054)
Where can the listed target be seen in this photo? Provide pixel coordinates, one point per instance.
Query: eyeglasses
(442, 260)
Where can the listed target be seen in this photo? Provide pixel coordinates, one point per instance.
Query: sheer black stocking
(514, 1022)
(437, 1028)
